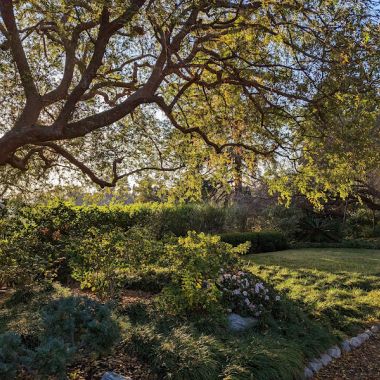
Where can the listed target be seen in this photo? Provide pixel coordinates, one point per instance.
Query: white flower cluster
(244, 293)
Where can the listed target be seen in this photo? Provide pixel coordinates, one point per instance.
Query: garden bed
(320, 307)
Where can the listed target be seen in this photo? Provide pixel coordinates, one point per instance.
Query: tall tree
(117, 87)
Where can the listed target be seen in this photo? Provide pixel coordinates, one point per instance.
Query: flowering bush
(245, 294)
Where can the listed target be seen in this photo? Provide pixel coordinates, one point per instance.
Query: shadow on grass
(344, 301)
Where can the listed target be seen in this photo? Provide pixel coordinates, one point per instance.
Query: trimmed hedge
(353, 243)
(267, 241)
(163, 218)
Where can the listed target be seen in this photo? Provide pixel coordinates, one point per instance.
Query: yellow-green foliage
(196, 261)
(339, 286)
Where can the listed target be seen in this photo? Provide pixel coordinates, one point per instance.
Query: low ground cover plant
(70, 328)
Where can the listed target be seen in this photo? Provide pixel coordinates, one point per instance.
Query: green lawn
(332, 260)
(339, 287)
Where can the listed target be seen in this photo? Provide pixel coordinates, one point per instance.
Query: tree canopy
(225, 90)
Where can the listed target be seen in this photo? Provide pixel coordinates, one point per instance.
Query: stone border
(335, 352)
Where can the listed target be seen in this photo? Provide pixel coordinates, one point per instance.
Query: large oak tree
(114, 88)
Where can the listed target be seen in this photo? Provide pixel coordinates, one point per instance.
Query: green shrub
(101, 259)
(352, 243)
(260, 241)
(319, 229)
(196, 261)
(52, 358)
(81, 323)
(25, 261)
(376, 231)
(13, 355)
(151, 279)
(69, 326)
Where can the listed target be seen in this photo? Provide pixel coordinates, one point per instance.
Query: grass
(330, 260)
(326, 295)
(338, 287)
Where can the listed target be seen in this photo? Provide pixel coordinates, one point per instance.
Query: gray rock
(315, 365)
(326, 359)
(369, 332)
(114, 376)
(355, 342)
(308, 373)
(335, 352)
(346, 346)
(239, 323)
(363, 337)
(375, 329)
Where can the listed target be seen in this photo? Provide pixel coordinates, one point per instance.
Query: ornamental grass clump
(246, 294)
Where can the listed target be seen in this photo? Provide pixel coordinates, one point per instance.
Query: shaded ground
(360, 364)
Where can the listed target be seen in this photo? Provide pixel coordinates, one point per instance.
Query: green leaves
(196, 261)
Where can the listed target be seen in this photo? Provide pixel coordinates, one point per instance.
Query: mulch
(120, 363)
(362, 363)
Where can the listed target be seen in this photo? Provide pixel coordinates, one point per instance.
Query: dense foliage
(196, 261)
(70, 328)
(260, 241)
